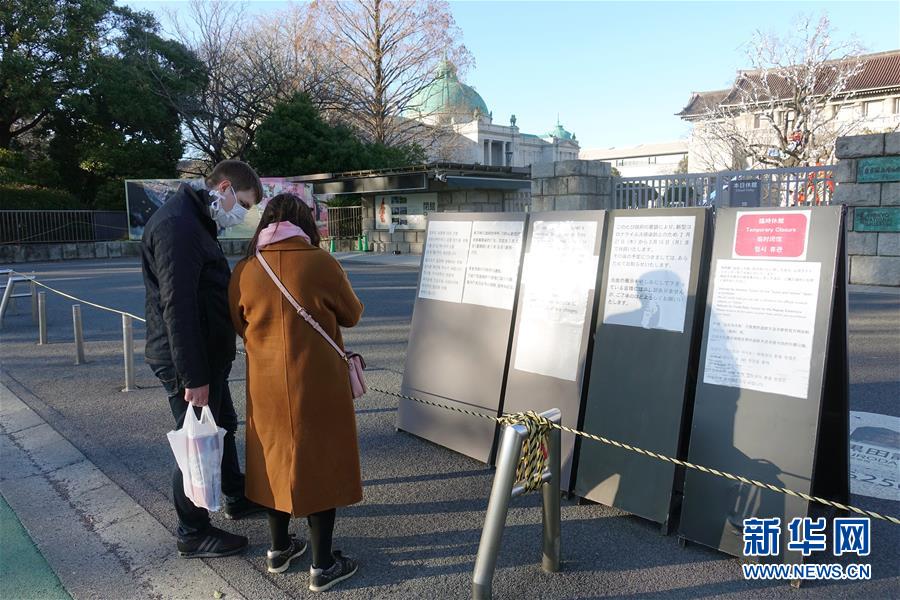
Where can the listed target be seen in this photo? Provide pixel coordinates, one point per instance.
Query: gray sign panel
(462, 321)
(647, 338)
(771, 400)
(555, 315)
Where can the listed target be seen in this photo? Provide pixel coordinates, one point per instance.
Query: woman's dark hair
(287, 207)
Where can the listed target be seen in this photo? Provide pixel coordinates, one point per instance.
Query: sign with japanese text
(649, 267)
(761, 326)
(745, 192)
(778, 235)
(874, 170)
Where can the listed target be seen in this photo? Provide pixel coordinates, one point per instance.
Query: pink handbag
(355, 362)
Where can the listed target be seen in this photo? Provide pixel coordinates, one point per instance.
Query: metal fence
(344, 221)
(43, 226)
(763, 187)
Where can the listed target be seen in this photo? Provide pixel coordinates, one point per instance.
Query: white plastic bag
(198, 451)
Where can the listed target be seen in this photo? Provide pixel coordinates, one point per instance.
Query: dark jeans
(193, 519)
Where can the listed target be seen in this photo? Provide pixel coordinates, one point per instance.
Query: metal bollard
(128, 351)
(79, 336)
(34, 302)
(551, 515)
(42, 318)
(504, 489)
(498, 507)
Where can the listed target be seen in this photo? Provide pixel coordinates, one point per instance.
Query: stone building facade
(873, 220)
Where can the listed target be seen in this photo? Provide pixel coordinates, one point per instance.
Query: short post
(79, 336)
(506, 488)
(7, 294)
(128, 352)
(42, 318)
(34, 302)
(551, 515)
(498, 507)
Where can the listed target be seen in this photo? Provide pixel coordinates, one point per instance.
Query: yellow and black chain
(530, 470)
(521, 418)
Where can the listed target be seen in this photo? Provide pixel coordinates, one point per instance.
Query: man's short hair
(240, 174)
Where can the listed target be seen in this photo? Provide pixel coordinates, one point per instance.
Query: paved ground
(23, 571)
(417, 530)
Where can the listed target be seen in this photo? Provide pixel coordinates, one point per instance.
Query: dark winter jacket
(186, 276)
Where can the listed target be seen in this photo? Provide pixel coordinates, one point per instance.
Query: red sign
(771, 235)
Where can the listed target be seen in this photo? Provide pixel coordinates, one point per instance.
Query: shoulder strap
(300, 310)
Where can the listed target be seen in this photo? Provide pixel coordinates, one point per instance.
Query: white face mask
(224, 218)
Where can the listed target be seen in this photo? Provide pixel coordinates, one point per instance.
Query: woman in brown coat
(302, 449)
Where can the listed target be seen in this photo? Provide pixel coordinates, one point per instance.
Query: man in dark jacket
(190, 338)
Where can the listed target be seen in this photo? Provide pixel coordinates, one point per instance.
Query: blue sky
(616, 72)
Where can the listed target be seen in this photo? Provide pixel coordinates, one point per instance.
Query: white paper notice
(559, 271)
(649, 271)
(761, 326)
(875, 455)
(444, 263)
(493, 269)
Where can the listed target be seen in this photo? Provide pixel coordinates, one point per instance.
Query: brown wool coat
(302, 449)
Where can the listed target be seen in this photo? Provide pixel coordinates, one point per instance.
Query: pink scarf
(281, 230)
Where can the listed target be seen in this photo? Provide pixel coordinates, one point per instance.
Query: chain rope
(520, 418)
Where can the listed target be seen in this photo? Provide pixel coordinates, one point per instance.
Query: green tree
(295, 140)
(44, 45)
(120, 124)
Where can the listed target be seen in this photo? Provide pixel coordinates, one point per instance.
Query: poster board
(643, 366)
(404, 212)
(144, 196)
(461, 325)
(772, 393)
(555, 316)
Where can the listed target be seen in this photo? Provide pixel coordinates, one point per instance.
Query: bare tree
(388, 52)
(786, 111)
(251, 64)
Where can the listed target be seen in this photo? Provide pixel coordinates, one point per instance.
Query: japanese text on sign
(493, 265)
(761, 326)
(778, 235)
(559, 271)
(649, 270)
(444, 263)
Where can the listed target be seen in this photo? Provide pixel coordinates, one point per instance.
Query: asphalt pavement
(416, 532)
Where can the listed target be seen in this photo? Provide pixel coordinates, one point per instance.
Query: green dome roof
(560, 132)
(446, 97)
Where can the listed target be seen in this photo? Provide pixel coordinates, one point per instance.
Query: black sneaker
(324, 579)
(212, 543)
(241, 508)
(279, 561)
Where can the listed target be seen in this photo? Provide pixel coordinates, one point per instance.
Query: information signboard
(461, 326)
(646, 341)
(771, 401)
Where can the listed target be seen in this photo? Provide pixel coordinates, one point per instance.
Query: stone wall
(571, 185)
(874, 255)
(23, 253)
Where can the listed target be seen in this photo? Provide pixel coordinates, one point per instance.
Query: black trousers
(193, 520)
(321, 531)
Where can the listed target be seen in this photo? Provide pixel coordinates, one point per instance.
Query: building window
(756, 121)
(872, 109)
(896, 106)
(620, 162)
(651, 160)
